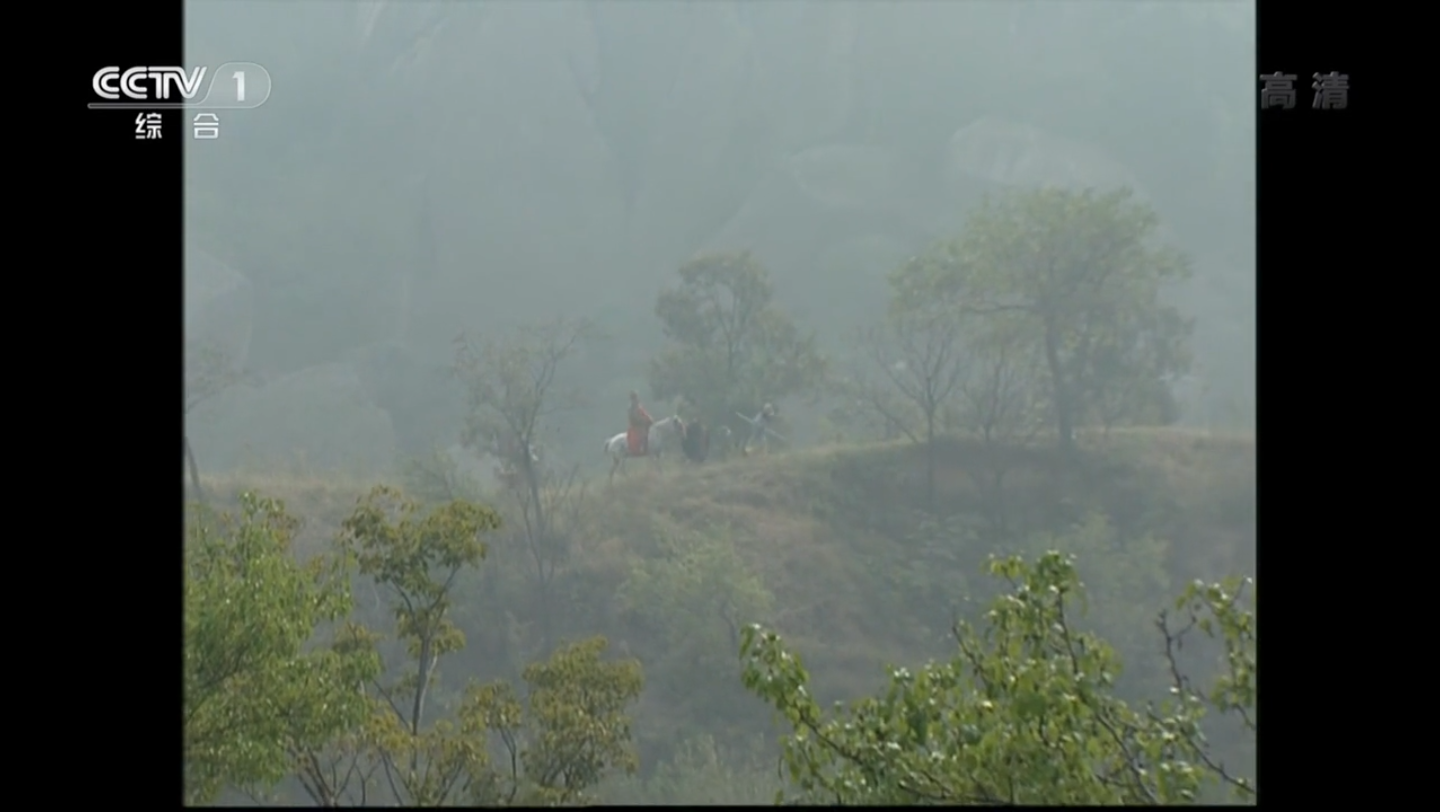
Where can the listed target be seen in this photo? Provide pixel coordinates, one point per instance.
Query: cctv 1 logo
(234, 86)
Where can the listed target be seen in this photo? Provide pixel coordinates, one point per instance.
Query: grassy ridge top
(1186, 458)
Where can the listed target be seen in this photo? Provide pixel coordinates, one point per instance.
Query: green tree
(687, 603)
(699, 592)
(416, 555)
(731, 348)
(514, 387)
(256, 689)
(569, 732)
(919, 352)
(579, 726)
(1025, 712)
(1002, 407)
(1078, 274)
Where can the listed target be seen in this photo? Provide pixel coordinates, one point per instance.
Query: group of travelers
(695, 437)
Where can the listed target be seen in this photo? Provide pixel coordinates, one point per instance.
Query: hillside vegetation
(831, 546)
(974, 547)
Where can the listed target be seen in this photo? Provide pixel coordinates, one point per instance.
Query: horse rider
(759, 427)
(637, 437)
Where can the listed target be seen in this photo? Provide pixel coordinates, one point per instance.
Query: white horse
(661, 434)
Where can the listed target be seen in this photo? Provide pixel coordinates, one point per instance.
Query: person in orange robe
(637, 437)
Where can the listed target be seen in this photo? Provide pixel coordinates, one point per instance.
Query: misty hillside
(832, 546)
(581, 396)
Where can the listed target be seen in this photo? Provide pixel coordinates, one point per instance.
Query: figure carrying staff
(760, 429)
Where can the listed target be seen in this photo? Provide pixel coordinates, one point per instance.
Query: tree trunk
(538, 535)
(930, 461)
(422, 685)
(194, 471)
(1064, 419)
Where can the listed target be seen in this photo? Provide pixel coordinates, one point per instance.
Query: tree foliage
(513, 386)
(920, 354)
(1127, 575)
(699, 594)
(553, 747)
(731, 348)
(569, 731)
(580, 728)
(416, 556)
(1076, 277)
(256, 689)
(265, 699)
(1001, 399)
(1025, 712)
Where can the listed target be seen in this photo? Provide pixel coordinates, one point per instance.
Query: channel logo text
(234, 85)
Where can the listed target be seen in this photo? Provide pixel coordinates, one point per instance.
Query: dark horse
(695, 441)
